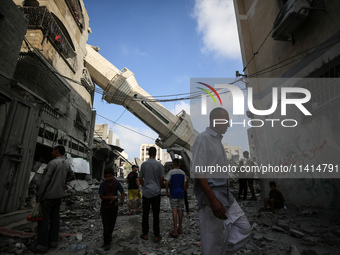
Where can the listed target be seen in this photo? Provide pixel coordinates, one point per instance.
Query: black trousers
(155, 203)
(243, 188)
(48, 228)
(109, 217)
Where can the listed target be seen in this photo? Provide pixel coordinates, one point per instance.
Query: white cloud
(182, 79)
(217, 23)
(179, 106)
(130, 50)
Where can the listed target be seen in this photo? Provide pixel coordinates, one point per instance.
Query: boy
(133, 188)
(275, 199)
(178, 181)
(109, 207)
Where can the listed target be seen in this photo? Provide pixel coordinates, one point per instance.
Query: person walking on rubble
(177, 179)
(224, 228)
(108, 191)
(151, 178)
(250, 176)
(133, 188)
(242, 180)
(51, 190)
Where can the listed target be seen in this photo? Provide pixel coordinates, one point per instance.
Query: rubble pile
(305, 231)
(295, 230)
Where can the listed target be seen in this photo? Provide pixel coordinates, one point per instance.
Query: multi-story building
(46, 93)
(233, 152)
(144, 152)
(102, 131)
(294, 44)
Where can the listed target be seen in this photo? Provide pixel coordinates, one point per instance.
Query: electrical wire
(75, 107)
(120, 115)
(265, 39)
(276, 66)
(126, 127)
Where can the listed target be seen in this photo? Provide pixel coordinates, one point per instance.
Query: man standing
(224, 228)
(121, 172)
(250, 175)
(133, 188)
(151, 179)
(50, 193)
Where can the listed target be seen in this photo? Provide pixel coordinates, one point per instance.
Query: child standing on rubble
(108, 191)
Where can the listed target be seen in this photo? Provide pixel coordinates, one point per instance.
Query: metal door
(17, 145)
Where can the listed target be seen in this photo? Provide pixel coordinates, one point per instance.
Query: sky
(164, 43)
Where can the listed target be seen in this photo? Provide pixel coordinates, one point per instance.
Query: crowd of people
(224, 228)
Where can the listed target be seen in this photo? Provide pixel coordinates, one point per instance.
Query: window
(76, 11)
(155, 112)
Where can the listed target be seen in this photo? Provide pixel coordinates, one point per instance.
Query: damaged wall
(312, 49)
(48, 97)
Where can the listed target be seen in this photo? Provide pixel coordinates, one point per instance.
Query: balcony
(53, 30)
(76, 12)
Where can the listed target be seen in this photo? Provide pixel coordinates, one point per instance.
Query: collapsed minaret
(121, 87)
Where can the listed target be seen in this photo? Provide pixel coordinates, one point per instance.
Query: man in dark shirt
(133, 188)
(108, 191)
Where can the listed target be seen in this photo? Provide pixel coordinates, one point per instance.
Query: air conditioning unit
(291, 15)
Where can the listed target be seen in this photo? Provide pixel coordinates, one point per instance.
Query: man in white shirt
(224, 228)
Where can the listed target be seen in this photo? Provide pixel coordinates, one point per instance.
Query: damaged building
(295, 43)
(46, 93)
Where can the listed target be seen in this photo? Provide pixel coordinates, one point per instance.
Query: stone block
(296, 233)
(294, 250)
(278, 229)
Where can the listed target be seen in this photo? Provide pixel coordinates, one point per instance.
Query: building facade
(102, 131)
(233, 152)
(144, 152)
(294, 44)
(46, 93)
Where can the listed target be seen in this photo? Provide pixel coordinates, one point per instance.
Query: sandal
(173, 235)
(144, 237)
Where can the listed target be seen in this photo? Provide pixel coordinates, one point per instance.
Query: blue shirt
(209, 151)
(176, 177)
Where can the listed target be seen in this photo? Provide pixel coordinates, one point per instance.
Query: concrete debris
(258, 237)
(311, 240)
(296, 233)
(267, 219)
(283, 224)
(276, 228)
(79, 185)
(294, 250)
(299, 231)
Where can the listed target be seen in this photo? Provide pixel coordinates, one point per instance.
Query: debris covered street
(306, 231)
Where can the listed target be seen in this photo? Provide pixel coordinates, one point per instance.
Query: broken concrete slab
(278, 229)
(294, 250)
(283, 224)
(296, 233)
(79, 185)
